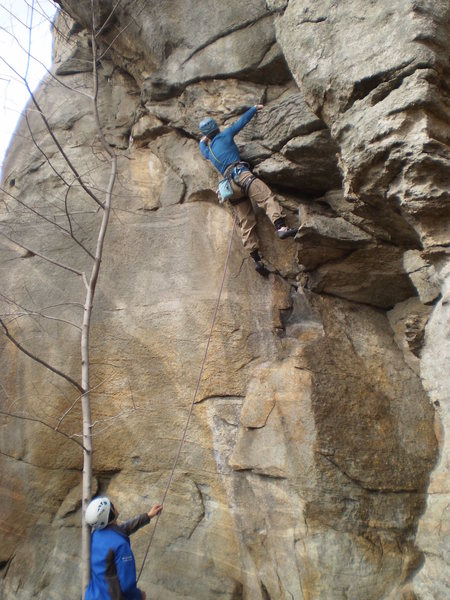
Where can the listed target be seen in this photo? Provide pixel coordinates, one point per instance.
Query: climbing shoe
(285, 232)
(261, 268)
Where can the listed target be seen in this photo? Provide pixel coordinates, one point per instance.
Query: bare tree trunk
(85, 331)
(85, 383)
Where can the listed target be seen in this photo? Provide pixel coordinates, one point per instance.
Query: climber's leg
(263, 196)
(247, 223)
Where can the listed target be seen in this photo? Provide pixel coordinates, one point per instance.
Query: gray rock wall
(316, 462)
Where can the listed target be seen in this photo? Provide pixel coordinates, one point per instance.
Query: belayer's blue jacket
(222, 150)
(113, 570)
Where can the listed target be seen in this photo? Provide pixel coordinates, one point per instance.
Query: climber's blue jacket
(113, 570)
(222, 150)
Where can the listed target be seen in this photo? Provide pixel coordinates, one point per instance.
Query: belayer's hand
(204, 139)
(155, 510)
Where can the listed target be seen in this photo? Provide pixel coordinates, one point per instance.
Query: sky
(16, 18)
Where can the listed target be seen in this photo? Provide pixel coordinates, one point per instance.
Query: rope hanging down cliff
(191, 409)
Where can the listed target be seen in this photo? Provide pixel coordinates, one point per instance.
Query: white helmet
(97, 513)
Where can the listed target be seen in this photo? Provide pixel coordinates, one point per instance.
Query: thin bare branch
(32, 135)
(45, 364)
(30, 29)
(69, 187)
(17, 315)
(63, 304)
(53, 136)
(71, 407)
(66, 208)
(24, 311)
(35, 142)
(46, 258)
(110, 45)
(16, 18)
(38, 61)
(11, 301)
(72, 438)
(108, 18)
(109, 421)
(41, 216)
(68, 411)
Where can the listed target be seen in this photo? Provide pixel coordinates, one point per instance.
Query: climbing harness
(235, 169)
(191, 409)
(245, 185)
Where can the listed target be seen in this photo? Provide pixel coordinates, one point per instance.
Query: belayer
(220, 148)
(113, 570)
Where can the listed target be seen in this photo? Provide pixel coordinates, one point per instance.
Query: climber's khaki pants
(263, 197)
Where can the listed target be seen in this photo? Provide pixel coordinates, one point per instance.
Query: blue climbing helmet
(208, 126)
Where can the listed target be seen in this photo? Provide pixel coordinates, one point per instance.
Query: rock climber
(220, 148)
(113, 570)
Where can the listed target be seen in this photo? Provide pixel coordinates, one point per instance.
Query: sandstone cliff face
(316, 463)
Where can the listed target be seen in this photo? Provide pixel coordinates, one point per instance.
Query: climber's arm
(242, 121)
(204, 149)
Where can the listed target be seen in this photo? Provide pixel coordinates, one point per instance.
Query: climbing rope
(191, 409)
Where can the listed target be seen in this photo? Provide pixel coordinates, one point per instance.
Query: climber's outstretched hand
(155, 510)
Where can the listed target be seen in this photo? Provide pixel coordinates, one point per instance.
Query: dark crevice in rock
(280, 10)
(5, 564)
(317, 20)
(315, 290)
(216, 397)
(415, 333)
(256, 472)
(104, 478)
(390, 79)
(238, 591)
(157, 89)
(293, 191)
(202, 514)
(277, 72)
(265, 593)
(435, 44)
(225, 33)
(151, 209)
(28, 254)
